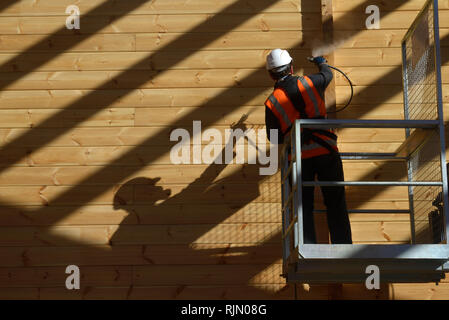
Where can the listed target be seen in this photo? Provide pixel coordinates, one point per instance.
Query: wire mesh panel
(422, 102)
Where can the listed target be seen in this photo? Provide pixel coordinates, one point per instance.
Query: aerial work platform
(426, 257)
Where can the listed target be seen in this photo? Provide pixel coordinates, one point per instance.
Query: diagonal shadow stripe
(130, 6)
(197, 114)
(90, 98)
(93, 180)
(41, 141)
(6, 3)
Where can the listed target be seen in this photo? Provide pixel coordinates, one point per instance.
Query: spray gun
(320, 60)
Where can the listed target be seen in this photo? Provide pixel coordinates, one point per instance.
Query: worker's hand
(319, 60)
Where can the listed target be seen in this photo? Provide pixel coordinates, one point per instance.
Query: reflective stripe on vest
(314, 103)
(281, 106)
(283, 109)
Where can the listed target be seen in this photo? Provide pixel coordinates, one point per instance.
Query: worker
(301, 97)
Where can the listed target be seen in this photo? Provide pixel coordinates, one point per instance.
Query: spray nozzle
(317, 60)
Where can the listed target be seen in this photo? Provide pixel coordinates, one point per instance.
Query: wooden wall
(85, 121)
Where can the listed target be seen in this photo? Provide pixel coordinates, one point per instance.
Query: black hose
(352, 90)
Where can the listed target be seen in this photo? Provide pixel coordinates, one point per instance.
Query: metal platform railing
(426, 257)
(302, 261)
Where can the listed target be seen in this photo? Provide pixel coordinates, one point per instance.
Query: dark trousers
(326, 168)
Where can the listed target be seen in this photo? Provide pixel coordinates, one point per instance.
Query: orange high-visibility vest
(284, 109)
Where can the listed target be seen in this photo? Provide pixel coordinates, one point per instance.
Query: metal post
(299, 212)
(294, 200)
(285, 193)
(407, 134)
(440, 116)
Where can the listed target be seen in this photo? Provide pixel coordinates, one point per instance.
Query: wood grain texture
(101, 102)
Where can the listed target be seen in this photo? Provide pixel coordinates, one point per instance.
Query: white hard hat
(278, 58)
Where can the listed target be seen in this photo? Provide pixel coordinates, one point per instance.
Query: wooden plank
(188, 97)
(248, 234)
(255, 116)
(178, 214)
(378, 94)
(214, 274)
(168, 213)
(160, 60)
(379, 38)
(135, 136)
(56, 276)
(169, 174)
(365, 76)
(90, 7)
(419, 291)
(397, 291)
(229, 41)
(199, 78)
(390, 20)
(370, 135)
(380, 231)
(392, 111)
(49, 195)
(368, 147)
(97, 99)
(35, 117)
(370, 57)
(327, 31)
(167, 23)
(165, 116)
(416, 140)
(202, 78)
(44, 43)
(151, 41)
(208, 254)
(396, 5)
(115, 155)
(206, 292)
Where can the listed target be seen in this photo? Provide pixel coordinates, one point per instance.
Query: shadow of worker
(167, 228)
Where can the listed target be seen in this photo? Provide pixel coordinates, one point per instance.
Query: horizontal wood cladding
(182, 292)
(144, 275)
(235, 40)
(85, 121)
(172, 213)
(158, 60)
(355, 21)
(194, 78)
(230, 193)
(253, 234)
(392, 5)
(169, 174)
(117, 156)
(104, 7)
(167, 23)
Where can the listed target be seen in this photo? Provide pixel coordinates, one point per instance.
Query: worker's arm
(272, 122)
(322, 79)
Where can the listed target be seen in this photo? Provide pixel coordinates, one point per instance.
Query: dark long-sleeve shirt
(320, 80)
